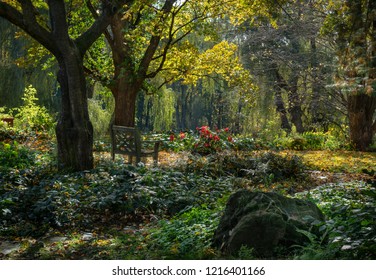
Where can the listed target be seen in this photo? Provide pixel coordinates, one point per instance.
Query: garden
(171, 211)
(244, 97)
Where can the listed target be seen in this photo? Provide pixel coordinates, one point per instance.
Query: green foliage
(247, 144)
(187, 236)
(80, 199)
(14, 155)
(3, 114)
(184, 141)
(163, 109)
(310, 141)
(351, 221)
(32, 117)
(100, 118)
(259, 168)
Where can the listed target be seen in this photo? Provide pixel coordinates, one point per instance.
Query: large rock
(264, 222)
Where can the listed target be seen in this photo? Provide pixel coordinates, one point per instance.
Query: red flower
(182, 135)
(230, 139)
(226, 129)
(216, 138)
(172, 137)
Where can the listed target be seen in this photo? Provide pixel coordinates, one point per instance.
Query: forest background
(296, 73)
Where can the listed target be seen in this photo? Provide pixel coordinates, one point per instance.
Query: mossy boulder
(266, 222)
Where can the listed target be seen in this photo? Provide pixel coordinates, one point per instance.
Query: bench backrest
(125, 140)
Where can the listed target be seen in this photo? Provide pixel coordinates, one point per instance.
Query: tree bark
(278, 100)
(357, 56)
(125, 94)
(295, 109)
(74, 131)
(361, 108)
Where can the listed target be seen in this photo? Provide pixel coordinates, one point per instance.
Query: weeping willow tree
(163, 109)
(15, 75)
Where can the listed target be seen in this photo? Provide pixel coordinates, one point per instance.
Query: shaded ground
(119, 240)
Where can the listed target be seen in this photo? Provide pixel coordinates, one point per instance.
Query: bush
(13, 155)
(264, 168)
(351, 221)
(212, 142)
(182, 141)
(205, 143)
(309, 141)
(31, 116)
(187, 236)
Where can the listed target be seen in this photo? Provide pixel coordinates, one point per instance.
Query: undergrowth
(120, 211)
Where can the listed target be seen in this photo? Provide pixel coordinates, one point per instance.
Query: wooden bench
(127, 141)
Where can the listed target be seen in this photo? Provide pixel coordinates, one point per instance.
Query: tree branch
(58, 17)
(109, 9)
(107, 34)
(27, 22)
(154, 41)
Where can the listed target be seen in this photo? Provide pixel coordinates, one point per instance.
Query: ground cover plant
(170, 211)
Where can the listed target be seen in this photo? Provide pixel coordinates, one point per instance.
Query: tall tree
(151, 40)
(353, 22)
(74, 131)
(293, 58)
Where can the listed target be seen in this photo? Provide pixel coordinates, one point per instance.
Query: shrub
(351, 220)
(205, 143)
(187, 236)
(182, 141)
(13, 155)
(309, 141)
(31, 116)
(211, 142)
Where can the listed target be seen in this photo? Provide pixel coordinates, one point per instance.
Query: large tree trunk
(125, 94)
(278, 100)
(361, 108)
(74, 131)
(280, 107)
(315, 105)
(295, 108)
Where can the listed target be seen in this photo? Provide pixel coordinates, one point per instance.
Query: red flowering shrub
(211, 142)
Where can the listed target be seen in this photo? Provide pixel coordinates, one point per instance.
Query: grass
(337, 161)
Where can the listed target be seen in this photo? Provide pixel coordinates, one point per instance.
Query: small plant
(13, 155)
(31, 116)
(181, 141)
(351, 221)
(310, 141)
(187, 236)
